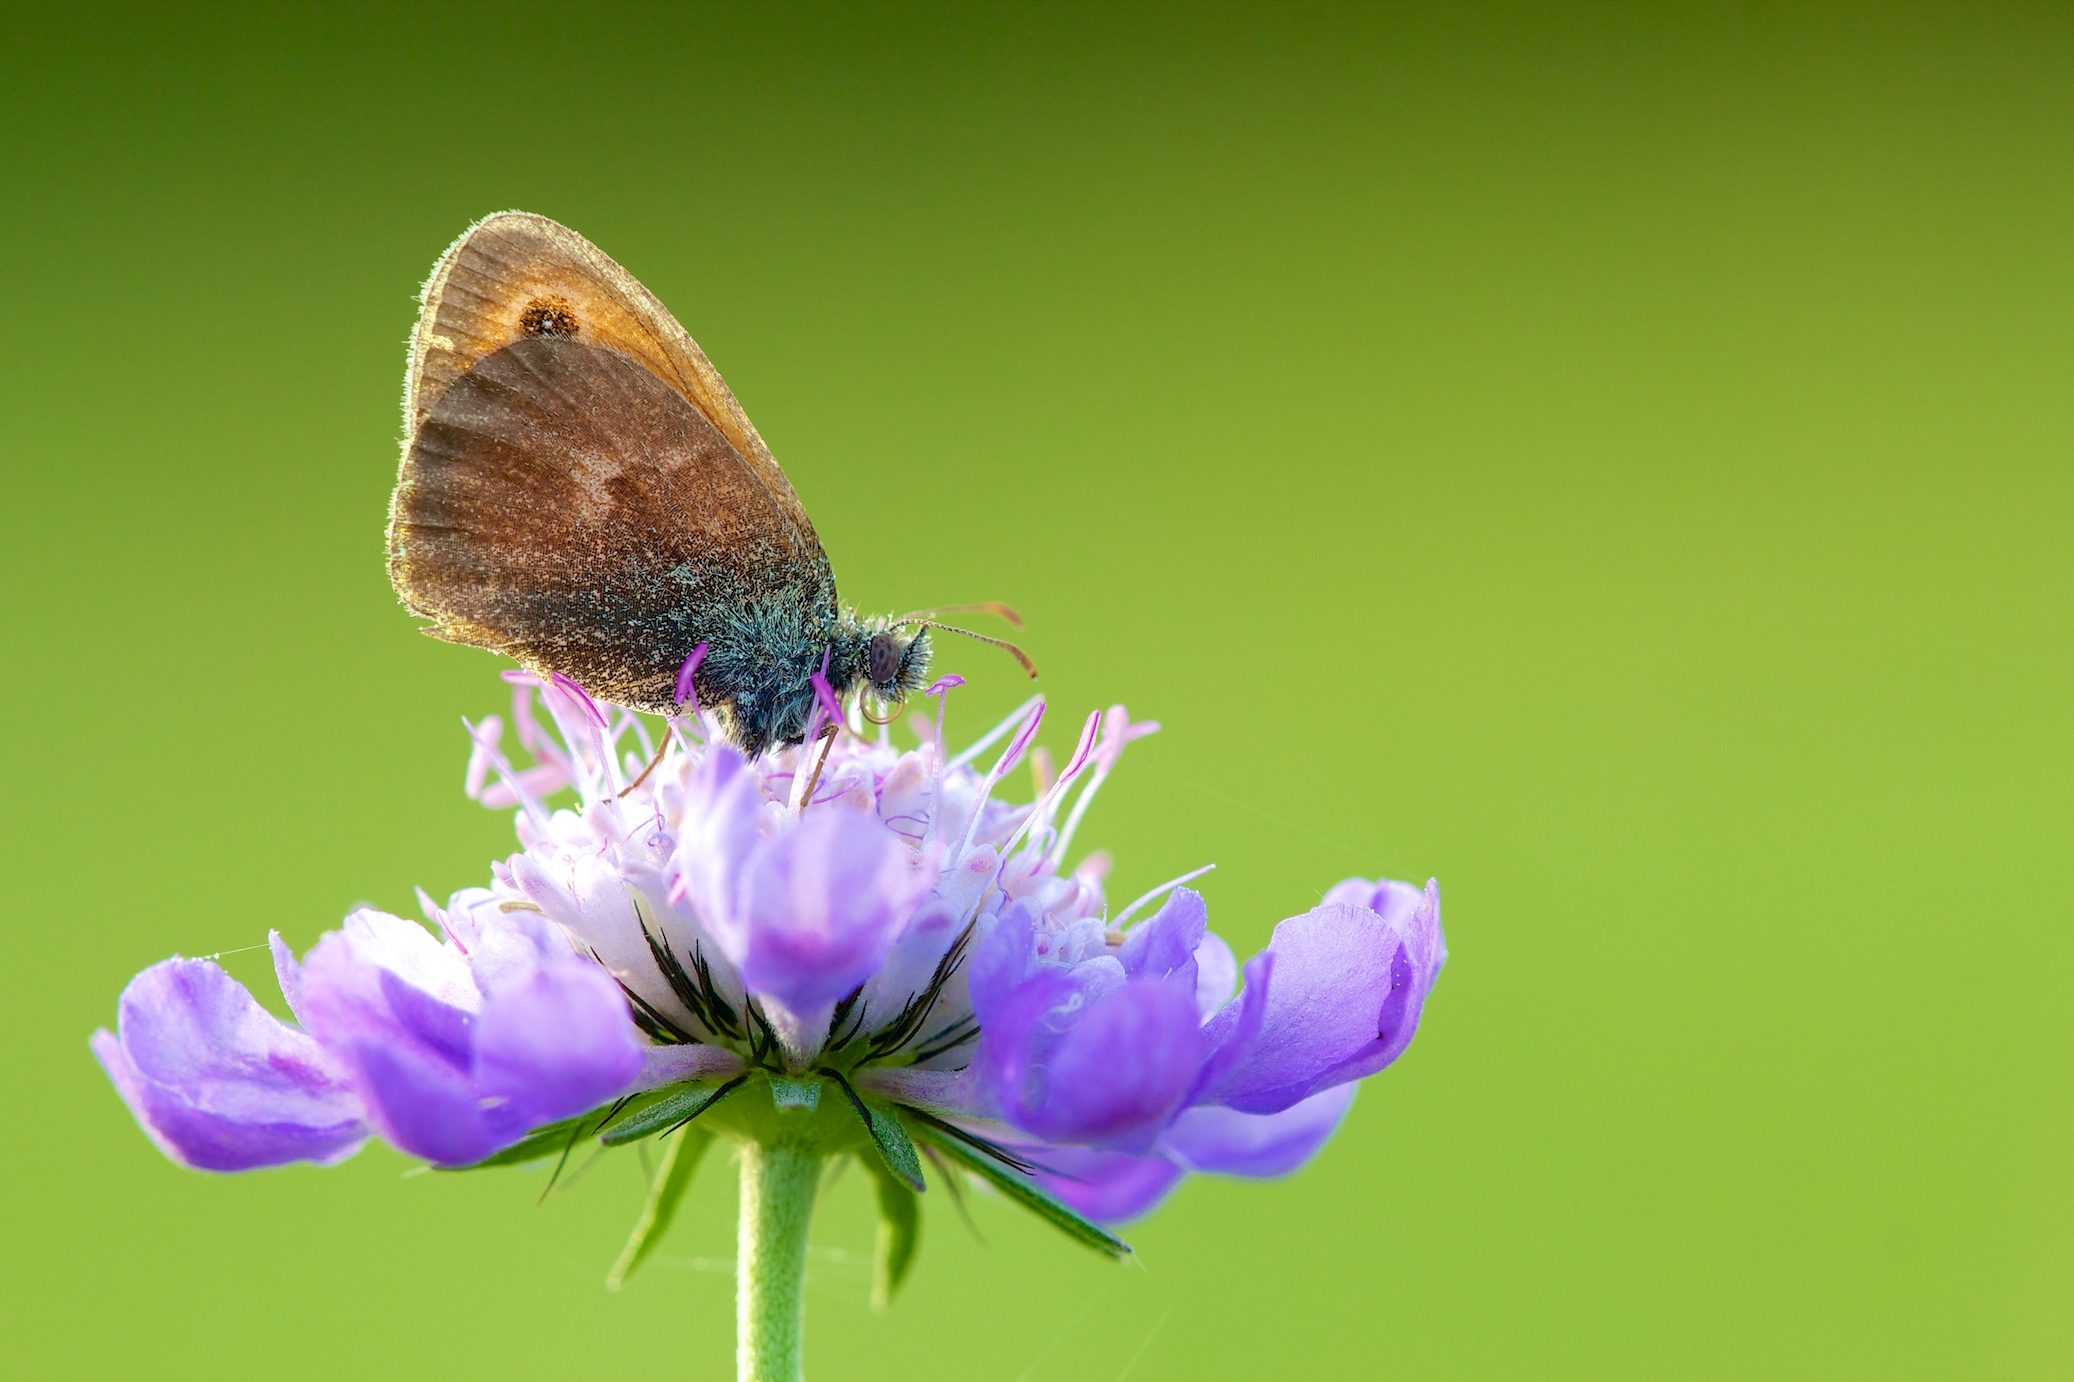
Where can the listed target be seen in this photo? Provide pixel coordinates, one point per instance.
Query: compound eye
(884, 657)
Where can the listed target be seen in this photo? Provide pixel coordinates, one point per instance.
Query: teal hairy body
(762, 655)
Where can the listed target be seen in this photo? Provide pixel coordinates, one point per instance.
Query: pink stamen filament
(1166, 887)
(824, 695)
(1040, 811)
(686, 689)
(987, 740)
(1008, 759)
(1117, 732)
(582, 698)
(492, 730)
(436, 914)
(508, 776)
(941, 690)
(586, 748)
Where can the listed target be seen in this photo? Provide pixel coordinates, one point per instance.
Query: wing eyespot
(548, 317)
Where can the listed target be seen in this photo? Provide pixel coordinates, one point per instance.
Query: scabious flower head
(844, 914)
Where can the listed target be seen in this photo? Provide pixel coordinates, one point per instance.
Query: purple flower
(1350, 980)
(450, 1049)
(462, 1047)
(843, 910)
(218, 1082)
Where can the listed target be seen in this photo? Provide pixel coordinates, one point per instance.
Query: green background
(1615, 461)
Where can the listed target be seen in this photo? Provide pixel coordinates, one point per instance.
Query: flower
(842, 914)
(450, 1049)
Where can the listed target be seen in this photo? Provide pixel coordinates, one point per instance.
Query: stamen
(1009, 758)
(628, 720)
(566, 701)
(825, 694)
(479, 760)
(1165, 887)
(1117, 731)
(436, 914)
(511, 779)
(986, 741)
(941, 690)
(684, 727)
(544, 747)
(686, 691)
(1040, 810)
(583, 698)
(1043, 773)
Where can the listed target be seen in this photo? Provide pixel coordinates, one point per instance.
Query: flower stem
(778, 1184)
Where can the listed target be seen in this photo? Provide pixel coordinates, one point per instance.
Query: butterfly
(580, 491)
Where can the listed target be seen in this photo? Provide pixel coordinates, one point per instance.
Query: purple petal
(1108, 1187)
(1232, 1029)
(1118, 1073)
(1349, 984)
(1210, 1138)
(911, 962)
(287, 973)
(946, 1093)
(1167, 943)
(723, 813)
(944, 683)
(1000, 962)
(817, 906)
(1216, 973)
(219, 1083)
(509, 947)
(1395, 902)
(1013, 1035)
(556, 1042)
(426, 1108)
(406, 1048)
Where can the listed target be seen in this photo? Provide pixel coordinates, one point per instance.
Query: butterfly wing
(579, 488)
(515, 275)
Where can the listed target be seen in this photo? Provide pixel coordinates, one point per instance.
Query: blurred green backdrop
(1616, 463)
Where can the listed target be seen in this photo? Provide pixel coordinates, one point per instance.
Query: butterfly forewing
(514, 275)
(579, 488)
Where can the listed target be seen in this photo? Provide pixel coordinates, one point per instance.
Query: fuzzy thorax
(763, 660)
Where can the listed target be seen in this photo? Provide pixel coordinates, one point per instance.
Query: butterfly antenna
(994, 607)
(1017, 653)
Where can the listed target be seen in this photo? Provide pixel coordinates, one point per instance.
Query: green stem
(778, 1184)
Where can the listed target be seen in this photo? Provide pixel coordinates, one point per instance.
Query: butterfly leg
(662, 747)
(827, 743)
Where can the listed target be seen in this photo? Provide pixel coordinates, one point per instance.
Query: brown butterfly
(581, 492)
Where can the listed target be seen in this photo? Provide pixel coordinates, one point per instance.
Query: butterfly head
(895, 662)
